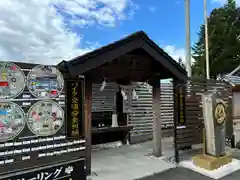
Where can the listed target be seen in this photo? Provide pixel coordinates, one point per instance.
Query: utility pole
(188, 43)
(206, 40)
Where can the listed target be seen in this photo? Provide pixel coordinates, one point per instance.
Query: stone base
(210, 162)
(215, 174)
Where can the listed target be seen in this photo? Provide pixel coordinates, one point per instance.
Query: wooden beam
(175, 119)
(157, 132)
(88, 123)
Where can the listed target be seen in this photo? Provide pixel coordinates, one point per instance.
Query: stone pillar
(214, 114)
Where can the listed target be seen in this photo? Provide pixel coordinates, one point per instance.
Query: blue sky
(163, 21)
(39, 30)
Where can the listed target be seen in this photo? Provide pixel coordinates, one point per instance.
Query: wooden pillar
(175, 119)
(115, 108)
(157, 128)
(119, 107)
(88, 123)
(129, 91)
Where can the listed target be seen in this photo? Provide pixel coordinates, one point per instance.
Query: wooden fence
(141, 116)
(190, 132)
(140, 111)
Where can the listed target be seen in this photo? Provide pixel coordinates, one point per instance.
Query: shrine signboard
(180, 105)
(75, 108)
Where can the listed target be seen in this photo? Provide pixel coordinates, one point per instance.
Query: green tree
(224, 43)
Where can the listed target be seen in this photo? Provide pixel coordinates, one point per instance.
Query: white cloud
(38, 30)
(175, 53)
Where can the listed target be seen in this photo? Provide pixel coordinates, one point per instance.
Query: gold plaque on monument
(220, 113)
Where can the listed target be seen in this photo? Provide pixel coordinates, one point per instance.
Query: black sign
(75, 108)
(180, 98)
(65, 171)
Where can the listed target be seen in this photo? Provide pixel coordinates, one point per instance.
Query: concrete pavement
(130, 162)
(186, 174)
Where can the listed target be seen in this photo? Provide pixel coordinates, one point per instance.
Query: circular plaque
(12, 80)
(11, 121)
(45, 81)
(45, 118)
(220, 113)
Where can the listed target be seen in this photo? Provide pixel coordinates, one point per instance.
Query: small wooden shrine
(135, 58)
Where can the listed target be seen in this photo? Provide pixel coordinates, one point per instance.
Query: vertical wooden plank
(129, 113)
(157, 134)
(119, 105)
(115, 112)
(115, 100)
(229, 122)
(88, 123)
(176, 109)
(204, 142)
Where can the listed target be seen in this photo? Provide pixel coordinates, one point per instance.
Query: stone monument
(215, 114)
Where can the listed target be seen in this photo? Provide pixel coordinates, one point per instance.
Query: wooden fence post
(88, 123)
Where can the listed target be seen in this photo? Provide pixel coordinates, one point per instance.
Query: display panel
(45, 81)
(45, 118)
(12, 80)
(11, 121)
(38, 137)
